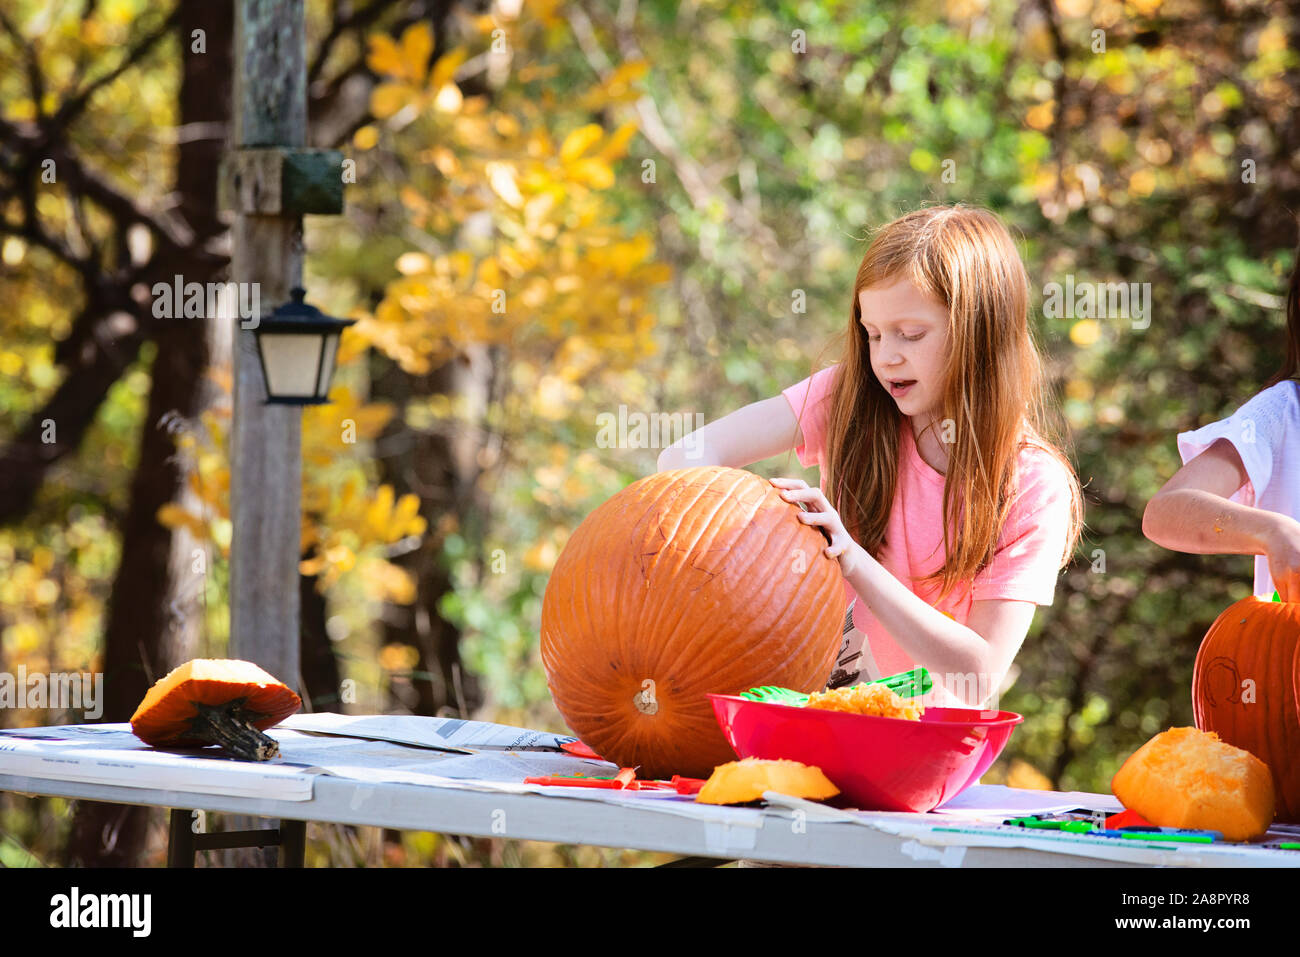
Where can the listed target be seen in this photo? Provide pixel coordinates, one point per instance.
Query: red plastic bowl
(879, 764)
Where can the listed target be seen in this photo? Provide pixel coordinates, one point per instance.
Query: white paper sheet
(101, 735)
(451, 734)
(996, 800)
(139, 766)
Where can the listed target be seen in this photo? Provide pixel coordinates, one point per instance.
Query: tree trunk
(139, 643)
(320, 666)
(442, 468)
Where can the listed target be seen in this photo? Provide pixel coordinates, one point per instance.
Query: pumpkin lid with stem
(216, 701)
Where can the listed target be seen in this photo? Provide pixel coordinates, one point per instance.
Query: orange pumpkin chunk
(739, 781)
(1189, 778)
(215, 701)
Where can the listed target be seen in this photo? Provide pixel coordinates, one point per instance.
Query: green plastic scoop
(905, 684)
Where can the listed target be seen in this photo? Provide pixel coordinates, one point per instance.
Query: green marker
(1190, 837)
(1276, 596)
(1077, 827)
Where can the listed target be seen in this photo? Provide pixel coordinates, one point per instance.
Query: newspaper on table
(446, 734)
(110, 754)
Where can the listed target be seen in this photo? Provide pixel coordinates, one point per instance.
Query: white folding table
(785, 830)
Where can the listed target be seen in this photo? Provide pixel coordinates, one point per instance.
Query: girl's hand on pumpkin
(821, 513)
(1283, 550)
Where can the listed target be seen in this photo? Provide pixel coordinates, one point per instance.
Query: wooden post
(270, 180)
(266, 440)
(270, 109)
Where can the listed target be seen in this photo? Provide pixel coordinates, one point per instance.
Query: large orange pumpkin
(1244, 689)
(687, 582)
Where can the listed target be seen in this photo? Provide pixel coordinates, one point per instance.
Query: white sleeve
(1254, 430)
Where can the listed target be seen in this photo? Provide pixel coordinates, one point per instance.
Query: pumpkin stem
(231, 726)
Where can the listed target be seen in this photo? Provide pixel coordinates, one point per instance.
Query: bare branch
(31, 61)
(72, 106)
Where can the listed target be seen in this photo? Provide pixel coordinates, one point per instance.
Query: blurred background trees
(561, 209)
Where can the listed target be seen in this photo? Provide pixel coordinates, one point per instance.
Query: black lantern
(297, 345)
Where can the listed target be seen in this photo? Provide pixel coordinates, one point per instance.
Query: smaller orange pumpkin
(739, 781)
(1188, 778)
(215, 701)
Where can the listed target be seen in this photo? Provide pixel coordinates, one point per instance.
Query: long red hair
(993, 395)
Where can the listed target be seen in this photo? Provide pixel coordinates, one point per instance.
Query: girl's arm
(750, 434)
(1191, 513)
(969, 660)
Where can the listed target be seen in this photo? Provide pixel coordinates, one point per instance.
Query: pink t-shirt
(1024, 567)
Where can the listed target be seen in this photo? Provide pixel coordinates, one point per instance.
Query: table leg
(293, 843)
(183, 844)
(180, 839)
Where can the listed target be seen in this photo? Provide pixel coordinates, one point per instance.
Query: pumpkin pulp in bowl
(885, 764)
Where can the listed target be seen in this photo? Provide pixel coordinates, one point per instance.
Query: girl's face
(908, 334)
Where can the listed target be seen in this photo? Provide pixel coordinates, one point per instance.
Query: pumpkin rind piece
(739, 781)
(686, 582)
(1189, 778)
(215, 701)
(1244, 689)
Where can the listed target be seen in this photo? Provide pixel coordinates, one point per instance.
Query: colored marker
(1170, 834)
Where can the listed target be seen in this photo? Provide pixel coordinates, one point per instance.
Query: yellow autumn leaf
(417, 45)
(388, 98)
(384, 58)
(398, 657)
(628, 72)
(377, 514)
(655, 273)
(616, 145)
(444, 71)
(592, 172)
(579, 141)
(366, 137)
(384, 581)
(407, 519)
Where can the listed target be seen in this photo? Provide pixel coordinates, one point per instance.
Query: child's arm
(969, 659)
(1191, 513)
(750, 434)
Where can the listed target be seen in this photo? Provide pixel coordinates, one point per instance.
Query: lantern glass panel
(292, 363)
(327, 368)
